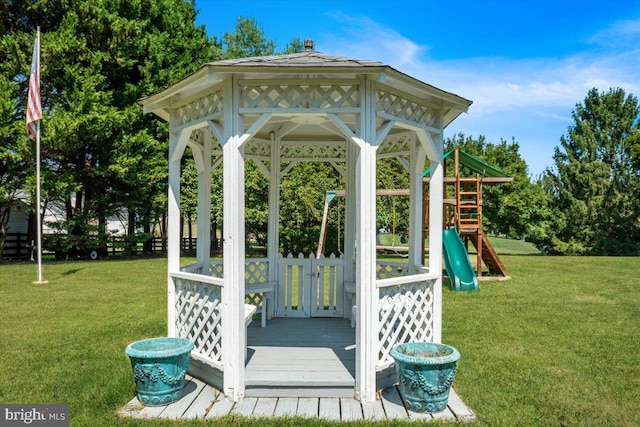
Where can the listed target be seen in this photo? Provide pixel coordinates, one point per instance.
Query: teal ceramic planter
(425, 374)
(159, 367)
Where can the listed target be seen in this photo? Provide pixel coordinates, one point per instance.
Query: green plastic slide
(457, 263)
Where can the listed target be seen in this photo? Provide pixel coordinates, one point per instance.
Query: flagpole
(34, 114)
(39, 203)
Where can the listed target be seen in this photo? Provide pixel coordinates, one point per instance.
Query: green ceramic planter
(425, 374)
(159, 369)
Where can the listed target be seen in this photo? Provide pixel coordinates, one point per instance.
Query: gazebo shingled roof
(306, 62)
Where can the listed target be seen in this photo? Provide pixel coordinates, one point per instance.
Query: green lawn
(558, 344)
(510, 247)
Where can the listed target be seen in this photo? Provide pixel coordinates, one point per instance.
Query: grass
(511, 247)
(556, 345)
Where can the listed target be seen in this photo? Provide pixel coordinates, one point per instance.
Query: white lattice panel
(316, 151)
(198, 316)
(197, 135)
(406, 109)
(289, 95)
(201, 107)
(258, 148)
(397, 145)
(216, 269)
(389, 269)
(254, 299)
(256, 272)
(406, 315)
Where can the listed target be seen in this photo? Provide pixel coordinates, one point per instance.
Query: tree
(295, 45)
(100, 154)
(594, 184)
(247, 40)
(302, 195)
(392, 212)
(14, 154)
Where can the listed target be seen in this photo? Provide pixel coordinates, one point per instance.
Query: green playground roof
(475, 164)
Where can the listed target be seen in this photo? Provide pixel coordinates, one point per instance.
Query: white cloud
(620, 34)
(371, 40)
(495, 82)
(529, 99)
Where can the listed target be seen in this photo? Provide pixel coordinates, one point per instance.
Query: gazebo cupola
(277, 111)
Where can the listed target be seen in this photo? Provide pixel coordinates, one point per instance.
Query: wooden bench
(267, 289)
(249, 311)
(350, 293)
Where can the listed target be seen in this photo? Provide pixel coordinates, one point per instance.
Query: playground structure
(462, 210)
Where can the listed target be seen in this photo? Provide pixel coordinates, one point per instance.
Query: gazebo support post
(435, 240)
(350, 220)
(273, 233)
(366, 290)
(203, 249)
(418, 157)
(173, 230)
(233, 330)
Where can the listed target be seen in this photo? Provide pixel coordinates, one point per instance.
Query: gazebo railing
(198, 314)
(406, 312)
(256, 272)
(198, 304)
(387, 269)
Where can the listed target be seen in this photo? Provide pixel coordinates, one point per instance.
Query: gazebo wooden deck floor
(301, 358)
(296, 367)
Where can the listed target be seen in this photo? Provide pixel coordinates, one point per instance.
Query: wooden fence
(18, 247)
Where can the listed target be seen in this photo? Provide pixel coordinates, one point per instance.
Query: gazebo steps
(299, 368)
(200, 400)
(296, 392)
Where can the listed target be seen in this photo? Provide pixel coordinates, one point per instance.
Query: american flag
(34, 110)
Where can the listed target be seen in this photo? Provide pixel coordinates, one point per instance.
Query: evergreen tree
(595, 182)
(100, 154)
(14, 154)
(247, 40)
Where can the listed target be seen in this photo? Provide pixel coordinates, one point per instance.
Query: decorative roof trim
(306, 62)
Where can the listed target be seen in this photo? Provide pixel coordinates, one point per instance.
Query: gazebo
(277, 111)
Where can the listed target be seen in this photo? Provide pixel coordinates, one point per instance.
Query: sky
(525, 64)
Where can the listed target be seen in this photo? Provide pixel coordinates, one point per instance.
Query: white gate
(310, 287)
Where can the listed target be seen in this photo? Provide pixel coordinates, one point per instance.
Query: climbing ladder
(468, 204)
